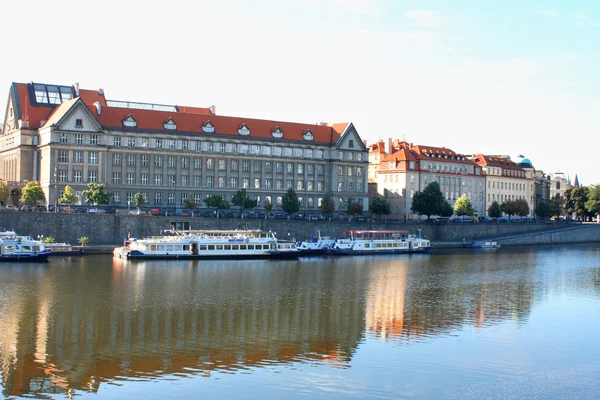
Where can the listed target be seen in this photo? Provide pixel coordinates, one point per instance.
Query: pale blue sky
(505, 77)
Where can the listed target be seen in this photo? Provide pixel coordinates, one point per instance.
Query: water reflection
(76, 323)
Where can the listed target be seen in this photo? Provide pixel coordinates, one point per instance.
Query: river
(454, 324)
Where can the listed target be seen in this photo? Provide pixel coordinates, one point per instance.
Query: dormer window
(277, 132)
(308, 135)
(130, 121)
(243, 130)
(351, 143)
(78, 123)
(208, 127)
(170, 125)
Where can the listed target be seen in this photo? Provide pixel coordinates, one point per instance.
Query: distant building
(405, 169)
(64, 135)
(506, 179)
(559, 183)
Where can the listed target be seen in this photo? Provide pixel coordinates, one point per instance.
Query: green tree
(509, 208)
(521, 207)
(327, 206)
(4, 191)
(138, 201)
(494, 210)
(428, 202)
(558, 205)
(380, 207)
(190, 204)
(243, 201)
(268, 206)
(33, 193)
(290, 203)
(578, 197)
(463, 206)
(544, 209)
(593, 203)
(217, 202)
(68, 196)
(446, 210)
(353, 207)
(95, 194)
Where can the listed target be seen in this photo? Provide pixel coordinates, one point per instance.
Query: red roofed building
(506, 179)
(64, 135)
(405, 169)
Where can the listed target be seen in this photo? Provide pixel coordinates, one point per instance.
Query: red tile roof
(188, 119)
(496, 161)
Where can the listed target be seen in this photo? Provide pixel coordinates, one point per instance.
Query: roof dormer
(170, 125)
(277, 132)
(243, 130)
(208, 127)
(308, 135)
(129, 121)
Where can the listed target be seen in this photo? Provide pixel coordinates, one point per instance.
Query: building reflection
(420, 297)
(63, 331)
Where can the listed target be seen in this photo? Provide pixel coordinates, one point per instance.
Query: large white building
(64, 135)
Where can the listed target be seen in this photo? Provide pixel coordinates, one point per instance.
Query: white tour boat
(380, 242)
(21, 248)
(208, 244)
(317, 245)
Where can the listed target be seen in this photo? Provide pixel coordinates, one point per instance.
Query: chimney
(98, 108)
(390, 147)
(365, 142)
(76, 87)
(100, 92)
(213, 109)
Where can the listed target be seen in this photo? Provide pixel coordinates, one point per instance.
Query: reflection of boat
(21, 248)
(317, 245)
(209, 244)
(485, 244)
(380, 242)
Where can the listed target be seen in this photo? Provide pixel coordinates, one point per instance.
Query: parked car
(313, 218)
(11, 208)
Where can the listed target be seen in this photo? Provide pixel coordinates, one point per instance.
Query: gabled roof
(378, 147)
(495, 161)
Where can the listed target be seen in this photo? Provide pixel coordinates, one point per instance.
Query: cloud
(508, 68)
(423, 18)
(550, 13)
(362, 7)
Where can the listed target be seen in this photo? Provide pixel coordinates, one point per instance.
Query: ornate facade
(63, 135)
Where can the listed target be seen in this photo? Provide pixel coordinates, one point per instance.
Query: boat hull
(39, 256)
(138, 255)
(351, 252)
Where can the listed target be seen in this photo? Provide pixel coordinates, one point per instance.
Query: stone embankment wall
(112, 229)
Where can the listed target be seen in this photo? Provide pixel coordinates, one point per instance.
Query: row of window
(350, 171)
(508, 186)
(503, 197)
(449, 195)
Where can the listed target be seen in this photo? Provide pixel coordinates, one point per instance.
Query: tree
(327, 206)
(354, 207)
(558, 205)
(268, 207)
(380, 207)
(593, 203)
(578, 197)
(189, 203)
(138, 201)
(521, 207)
(95, 195)
(290, 202)
(544, 209)
(446, 210)
(243, 201)
(69, 196)
(494, 210)
(428, 202)
(4, 192)
(217, 202)
(508, 207)
(463, 206)
(33, 192)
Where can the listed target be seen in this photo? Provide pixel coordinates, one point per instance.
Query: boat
(208, 244)
(21, 248)
(61, 249)
(359, 242)
(485, 244)
(316, 246)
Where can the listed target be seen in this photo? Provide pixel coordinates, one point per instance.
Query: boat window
(26, 248)
(9, 248)
(235, 247)
(367, 245)
(250, 247)
(211, 246)
(36, 248)
(219, 247)
(203, 247)
(242, 247)
(186, 246)
(227, 247)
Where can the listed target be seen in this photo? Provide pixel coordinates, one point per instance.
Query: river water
(456, 324)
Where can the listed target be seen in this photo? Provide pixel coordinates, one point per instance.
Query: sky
(495, 77)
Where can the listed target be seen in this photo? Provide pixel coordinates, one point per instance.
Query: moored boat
(485, 244)
(208, 244)
(316, 246)
(359, 242)
(21, 248)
